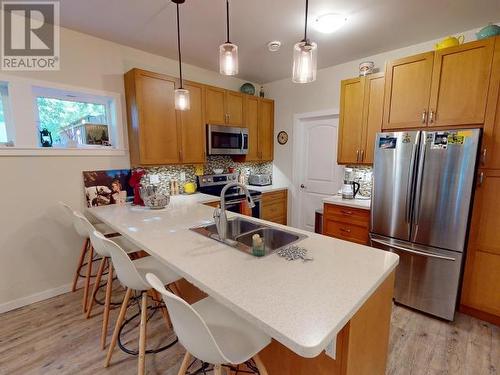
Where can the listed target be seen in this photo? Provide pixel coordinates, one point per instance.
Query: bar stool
(85, 228)
(131, 274)
(86, 250)
(211, 332)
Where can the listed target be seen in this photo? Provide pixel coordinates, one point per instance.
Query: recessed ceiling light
(329, 23)
(274, 45)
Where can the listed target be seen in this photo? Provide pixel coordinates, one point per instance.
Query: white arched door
(318, 174)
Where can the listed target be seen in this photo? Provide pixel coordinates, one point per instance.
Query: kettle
(350, 189)
(449, 41)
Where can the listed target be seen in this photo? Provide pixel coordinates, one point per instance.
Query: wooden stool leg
(87, 278)
(97, 283)
(163, 309)
(80, 263)
(185, 364)
(119, 321)
(217, 370)
(260, 366)
(107, 305)
(142, 335)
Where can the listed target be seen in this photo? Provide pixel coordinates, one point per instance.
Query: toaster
(260, 179)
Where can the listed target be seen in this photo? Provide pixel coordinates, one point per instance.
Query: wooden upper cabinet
(352, 94)
(192, 126)
(215, 110)
(234, 108)
(460, 82)
(153, 133)
(373, 109)
(266, 129)
(490, 152)
(252, 123)
(407, 91)
(481, 289)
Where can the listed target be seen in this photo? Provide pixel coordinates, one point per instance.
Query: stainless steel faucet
(220, 217)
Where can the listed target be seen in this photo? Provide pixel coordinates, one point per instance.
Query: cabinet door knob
(483, 157)
(302, 186)
(362, 157)
(424, 116)
(357, 155)
(431, 117)
(481, 179)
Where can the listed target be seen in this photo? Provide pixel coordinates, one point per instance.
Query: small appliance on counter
(235, 197)
(260, 179)
(350, 187)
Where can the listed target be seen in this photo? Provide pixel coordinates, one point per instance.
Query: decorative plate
(247, 88)
(282, 137)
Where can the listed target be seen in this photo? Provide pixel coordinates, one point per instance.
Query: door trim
(298, 120)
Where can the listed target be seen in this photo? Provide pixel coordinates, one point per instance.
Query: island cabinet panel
(274, 206)
(481, 286)
(192, 126)
(460, 82)
(351, 120)
(215, 110)
(361, 346)
(152, 118)
(407, 91)
(346, 223)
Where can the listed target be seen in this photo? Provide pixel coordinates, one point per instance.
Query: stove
(235, 197)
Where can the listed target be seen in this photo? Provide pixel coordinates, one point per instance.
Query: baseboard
(487, 317)
(37, 297)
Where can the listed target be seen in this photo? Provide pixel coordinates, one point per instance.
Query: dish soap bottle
(258, 248)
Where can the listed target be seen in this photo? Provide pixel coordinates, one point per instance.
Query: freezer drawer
(427, 279)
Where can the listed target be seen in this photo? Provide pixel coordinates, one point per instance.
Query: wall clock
(282, 137)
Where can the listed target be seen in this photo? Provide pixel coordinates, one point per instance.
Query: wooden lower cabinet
(274, 206)
(481, 286)
(361, 346)
(346, 223)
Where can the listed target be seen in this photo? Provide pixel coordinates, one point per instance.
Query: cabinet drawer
(345, 231)
(348, 215)
(273, 210)
(274, 196)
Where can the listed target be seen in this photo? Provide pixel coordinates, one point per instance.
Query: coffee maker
(350, 187)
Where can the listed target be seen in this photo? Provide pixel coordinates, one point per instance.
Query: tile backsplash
(363, 175)
(187, 173)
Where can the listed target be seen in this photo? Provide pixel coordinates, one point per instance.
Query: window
(4, 113)
(72, 119)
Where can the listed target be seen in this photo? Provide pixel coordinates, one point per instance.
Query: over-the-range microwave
(226, 140)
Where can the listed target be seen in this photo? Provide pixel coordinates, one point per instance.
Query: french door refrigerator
(421, 200)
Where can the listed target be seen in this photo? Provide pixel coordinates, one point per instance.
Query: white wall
(324, 93)
(38, 247)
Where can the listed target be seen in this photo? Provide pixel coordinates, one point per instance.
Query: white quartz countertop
(268, 188)
(355, 203)
(303, 305)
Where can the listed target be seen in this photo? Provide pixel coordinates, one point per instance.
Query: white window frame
(23, 124)
(5, 98)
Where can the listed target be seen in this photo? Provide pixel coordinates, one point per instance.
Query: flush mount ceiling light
(228, 52)
(304, 57)
(329, 23)
(274, 45)
(182, 100)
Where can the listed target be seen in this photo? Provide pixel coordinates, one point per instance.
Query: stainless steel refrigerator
(421, 200)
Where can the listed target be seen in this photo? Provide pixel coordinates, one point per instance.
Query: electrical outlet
(154, 179)
(331, 349)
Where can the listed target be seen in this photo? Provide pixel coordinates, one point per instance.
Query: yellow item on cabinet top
(450, 42)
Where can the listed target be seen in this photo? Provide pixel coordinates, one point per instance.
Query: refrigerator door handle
(420, 178)
(401, 248)
(409, 187)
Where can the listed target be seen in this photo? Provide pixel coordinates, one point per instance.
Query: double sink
(240, 231)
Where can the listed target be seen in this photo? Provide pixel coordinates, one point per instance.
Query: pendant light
(304, 58)
(228, 52)
(182, 102)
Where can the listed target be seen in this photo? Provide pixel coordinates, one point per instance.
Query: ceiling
(373, 26)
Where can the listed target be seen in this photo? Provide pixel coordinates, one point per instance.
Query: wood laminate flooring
(53, 337)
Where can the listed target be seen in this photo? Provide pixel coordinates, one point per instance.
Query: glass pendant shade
(304, 62)
(182, 102)
(228, 59)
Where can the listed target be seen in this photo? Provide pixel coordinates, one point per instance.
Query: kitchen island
(341, 301)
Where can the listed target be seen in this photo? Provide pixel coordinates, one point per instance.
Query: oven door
(225, 140)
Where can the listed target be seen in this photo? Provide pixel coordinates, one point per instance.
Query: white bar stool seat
(211, 332)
